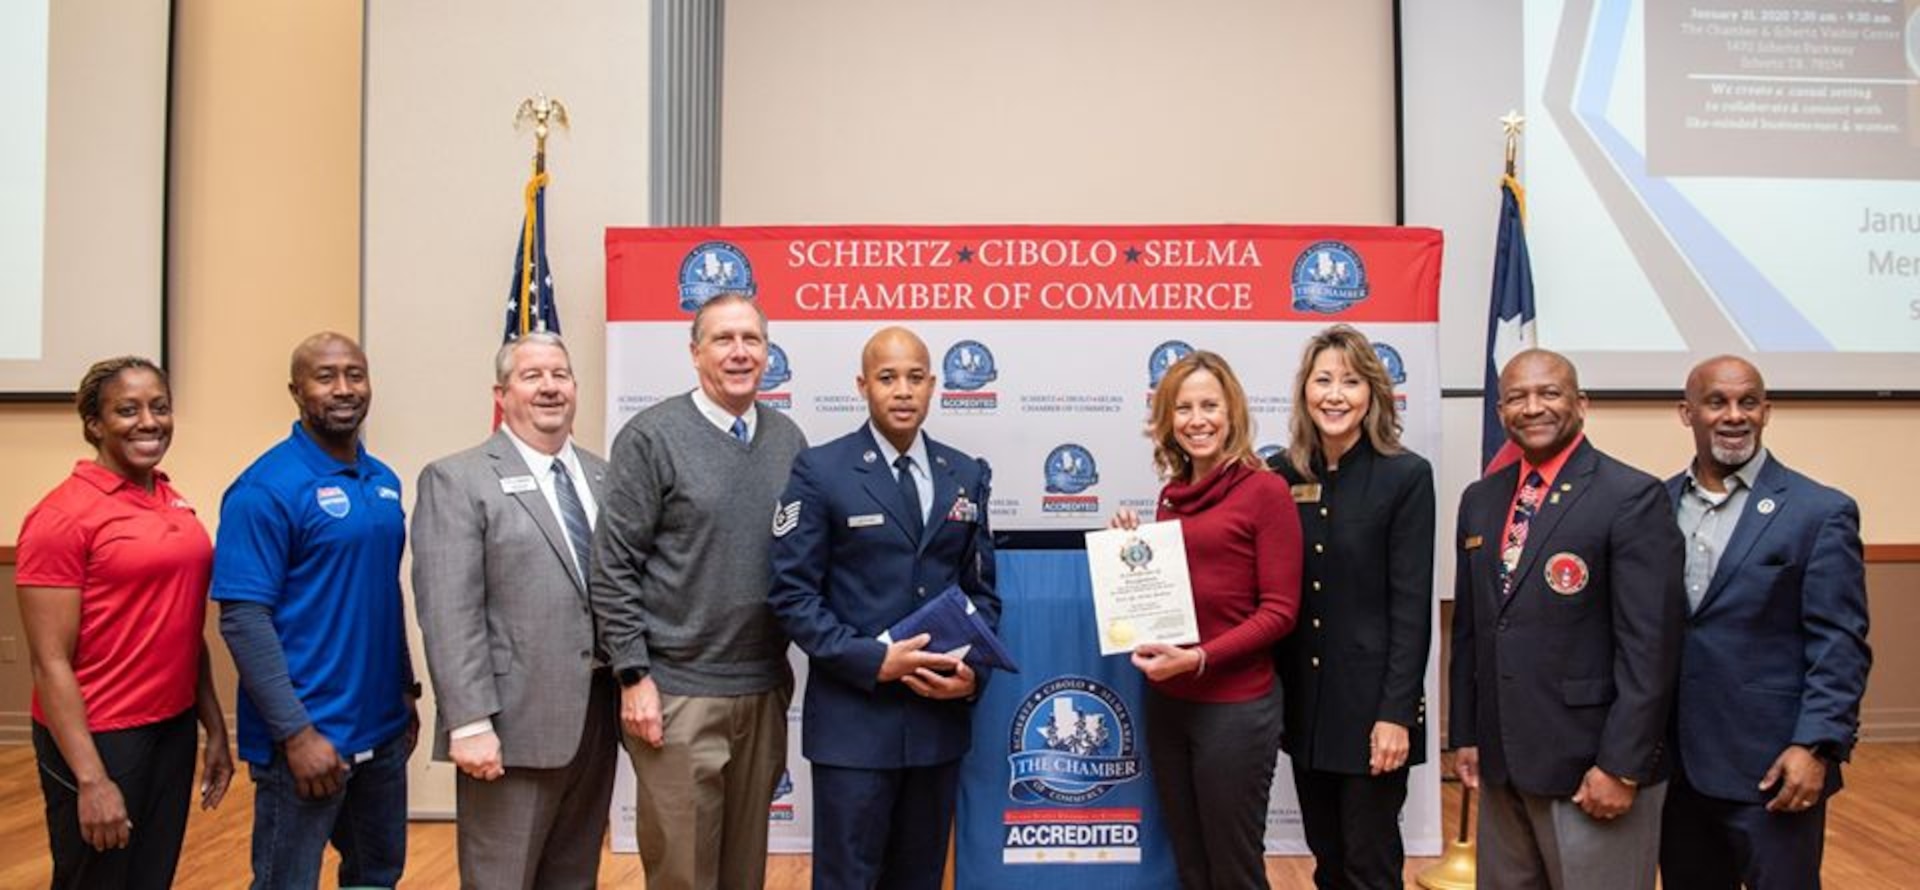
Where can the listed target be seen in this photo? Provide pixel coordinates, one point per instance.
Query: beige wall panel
(1081, 111)
(445, 173)
(41, 443)
(264, 248)
(1891, 711)
(1842, 444)
(264, 219)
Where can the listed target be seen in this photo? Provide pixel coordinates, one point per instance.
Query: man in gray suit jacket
(527, 708)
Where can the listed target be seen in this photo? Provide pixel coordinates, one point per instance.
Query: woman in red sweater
(1213, 711)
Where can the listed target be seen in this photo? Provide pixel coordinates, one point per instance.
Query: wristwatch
(629, 676)
(414, 689)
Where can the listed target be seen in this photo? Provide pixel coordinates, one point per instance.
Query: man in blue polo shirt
(307, 574)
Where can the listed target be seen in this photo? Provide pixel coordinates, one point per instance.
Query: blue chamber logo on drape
(713, 268)
(1328, 278)
(779, 370)
(964, 374)
(968, 366)
(1069, 471)
(774, 392)
(1162, 357)
(1396, 371)
(1071, 742)
(781, 810)
(1390, 357)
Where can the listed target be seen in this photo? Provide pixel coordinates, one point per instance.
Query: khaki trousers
(703, 795)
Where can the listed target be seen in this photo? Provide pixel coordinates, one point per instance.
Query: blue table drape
(1056, 791)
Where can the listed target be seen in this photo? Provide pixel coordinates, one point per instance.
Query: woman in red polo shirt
(1213, 709)
(113, 569)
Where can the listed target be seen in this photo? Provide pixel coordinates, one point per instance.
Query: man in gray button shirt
(1709, 508)
(1776, 657)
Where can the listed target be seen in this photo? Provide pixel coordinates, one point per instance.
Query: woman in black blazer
(1354, 668)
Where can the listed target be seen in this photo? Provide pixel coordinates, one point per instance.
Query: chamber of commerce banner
(1046, 342)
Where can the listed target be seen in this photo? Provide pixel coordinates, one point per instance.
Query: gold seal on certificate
(1141, 592)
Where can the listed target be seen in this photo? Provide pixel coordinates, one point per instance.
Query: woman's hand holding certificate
(1141, 591)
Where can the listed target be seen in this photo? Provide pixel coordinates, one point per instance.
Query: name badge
(1472, 542)
(866, 521)
(519, 484)
(1306, 493)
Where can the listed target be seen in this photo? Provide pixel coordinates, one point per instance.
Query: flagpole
(1459, 867)
(1510, 306)
(544, 112)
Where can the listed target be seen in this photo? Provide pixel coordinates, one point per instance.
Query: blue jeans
(366, 821)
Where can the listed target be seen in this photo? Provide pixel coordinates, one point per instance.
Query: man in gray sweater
(679, 589)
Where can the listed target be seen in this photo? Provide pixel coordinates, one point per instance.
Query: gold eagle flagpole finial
(544, 112)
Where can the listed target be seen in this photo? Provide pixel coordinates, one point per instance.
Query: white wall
(1066, 111)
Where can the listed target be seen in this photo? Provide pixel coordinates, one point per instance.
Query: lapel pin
(869, 457)
(1554, 499)
(940, 460)
(1765, 506)
(1566, 486)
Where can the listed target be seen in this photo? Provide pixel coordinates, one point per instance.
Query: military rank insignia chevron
(785, 518)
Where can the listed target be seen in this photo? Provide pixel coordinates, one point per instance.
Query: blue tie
(910, 493)
(740, 428)
(573, 516)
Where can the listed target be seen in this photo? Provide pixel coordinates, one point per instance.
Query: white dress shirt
(723, 418)
(922, 473)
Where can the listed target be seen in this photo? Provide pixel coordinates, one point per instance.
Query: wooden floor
(1871, 831)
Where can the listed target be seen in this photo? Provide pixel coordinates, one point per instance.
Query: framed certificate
(1141, 591)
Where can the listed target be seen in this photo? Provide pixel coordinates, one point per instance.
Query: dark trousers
(1352, 824)
(1212, 769)
(1708, 844)
(366, 820)
(541, 829)
(1530, 842)
(882, 829)
(153, 767)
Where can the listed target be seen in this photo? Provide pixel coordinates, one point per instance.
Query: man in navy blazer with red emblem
(871, 526)
(1568, 614)
(1776, 655)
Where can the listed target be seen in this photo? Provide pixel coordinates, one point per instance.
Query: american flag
(1510, 315)
(530, 299)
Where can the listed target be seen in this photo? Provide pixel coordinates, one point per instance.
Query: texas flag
(1509, 319)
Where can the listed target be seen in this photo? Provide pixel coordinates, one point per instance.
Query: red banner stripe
(1037, 273)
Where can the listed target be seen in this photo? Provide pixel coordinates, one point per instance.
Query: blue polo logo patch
(333, 500)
